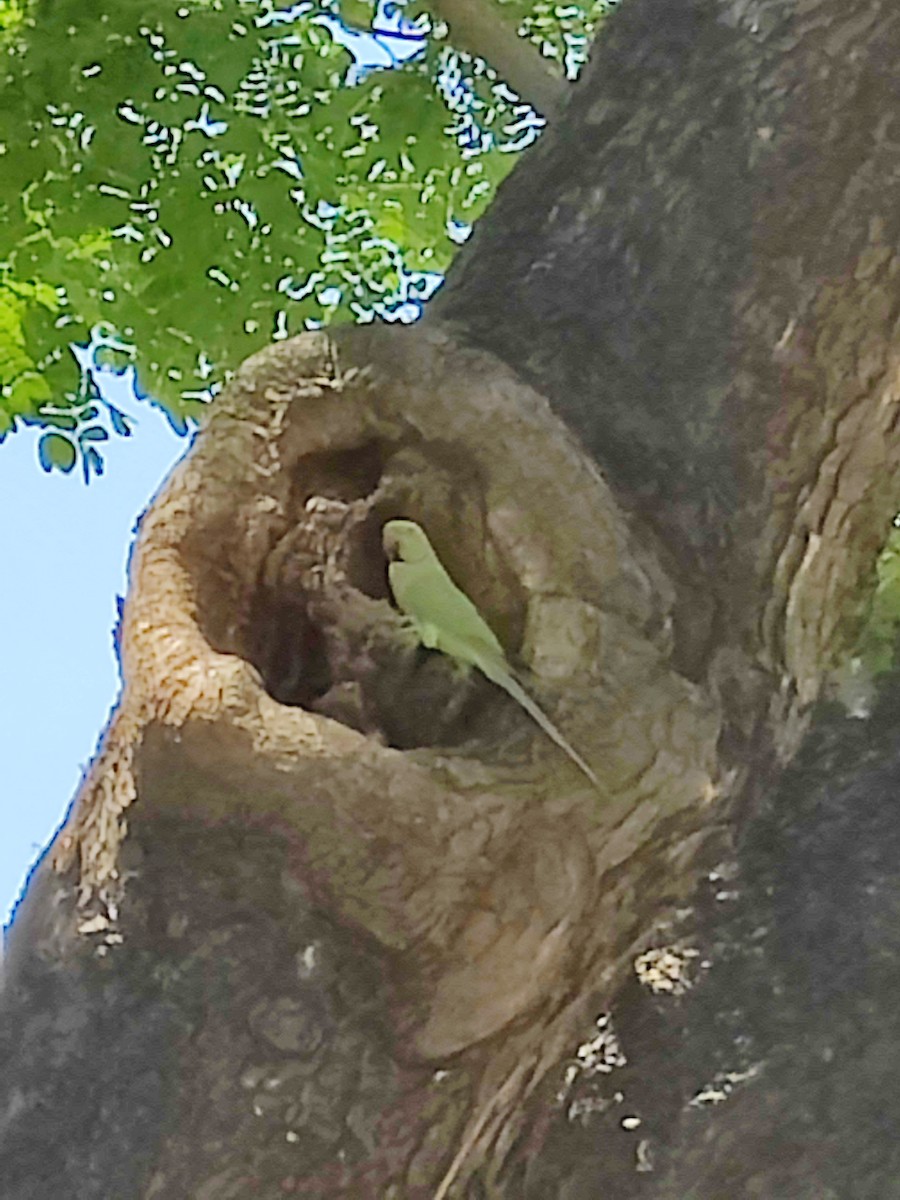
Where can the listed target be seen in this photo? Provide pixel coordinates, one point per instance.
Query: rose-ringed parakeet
(445, 619)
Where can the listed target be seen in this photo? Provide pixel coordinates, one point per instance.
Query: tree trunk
(331, 918)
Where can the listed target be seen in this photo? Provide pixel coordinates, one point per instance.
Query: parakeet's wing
(425, 592)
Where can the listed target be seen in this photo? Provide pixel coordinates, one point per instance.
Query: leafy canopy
(190, 180)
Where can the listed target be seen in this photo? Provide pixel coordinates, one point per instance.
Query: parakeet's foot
(408, 631)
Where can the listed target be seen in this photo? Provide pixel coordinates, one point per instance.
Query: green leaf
(94, 433)
(60, 421)
(120, 421)
(56, 452)
(26, 393)
(91, 463)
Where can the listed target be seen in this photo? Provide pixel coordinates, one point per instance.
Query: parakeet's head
(405, 541)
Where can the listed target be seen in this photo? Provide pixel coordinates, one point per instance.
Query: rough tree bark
(329, 919)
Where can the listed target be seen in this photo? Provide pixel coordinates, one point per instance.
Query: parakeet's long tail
(499, 673)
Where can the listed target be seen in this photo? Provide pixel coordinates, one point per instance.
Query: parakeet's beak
(405, 541)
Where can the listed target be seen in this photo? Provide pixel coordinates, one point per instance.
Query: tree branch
(479, 29)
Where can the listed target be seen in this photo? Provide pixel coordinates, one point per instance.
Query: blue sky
(64, 548)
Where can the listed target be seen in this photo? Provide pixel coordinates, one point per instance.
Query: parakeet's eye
(404, 541)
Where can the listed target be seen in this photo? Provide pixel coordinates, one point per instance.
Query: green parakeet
(445, 619)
